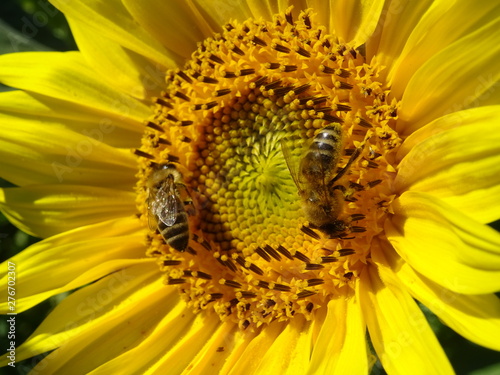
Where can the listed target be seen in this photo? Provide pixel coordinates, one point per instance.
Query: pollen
(236, 122)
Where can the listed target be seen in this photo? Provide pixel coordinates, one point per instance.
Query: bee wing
(291, 162)
(166, 200)
(152, 218)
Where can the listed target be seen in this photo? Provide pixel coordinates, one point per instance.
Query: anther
(238, 51)
(143, 154)
(163, 141)
(272, 66)
(245, 294)
(342, 73)
(246, 72)
(260, 81)
(357, 217)
(281, 287)
(314, 266)
(329, 259)
(163, 102)
(374, 183)
(216, 59)
(273, 85)
(346, 252)
(232, 283)
(182, 96)
(301, 51)
(289, 18)
(305, 294)
(256, 269)
(342, 108)
(372, 164)
(280, 48)
(307, 22)
(184, 76)
(175, 159)
(215, 297)
(356, 229)
(172, 118)
(326, 69)
(239, 259)
(301, 88)
(227, 74)
(362, 122)
(154, 126)
(314, 282)
(288, 68)
(272, 252)
(343, 85)
(309, 307)
(222, 92)
(175, 281)
(310, 232)
(328, 117)
(172, 262)
(263, 254)
(206, 79)
(259, 41)
(285, 252)
(298, 255)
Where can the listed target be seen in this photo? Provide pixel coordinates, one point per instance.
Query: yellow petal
(112, 129)
(44, 151)
(477, 318)
(173, 326)
(188, 345)
(400, 334)
(176, 24)
(342, 337)
(397, 22)
(437, 26)
(445, 245)
(119, 67)
(114, 22)
(45, 210)
(251, 357)
(355, 21)
(220, 12)
(456, 158)
(68, 77)
(73, 259)
(290, 351)
(95, 315)
(453, 79)
(215, 351)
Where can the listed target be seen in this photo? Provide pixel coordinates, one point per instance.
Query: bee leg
(342, 172)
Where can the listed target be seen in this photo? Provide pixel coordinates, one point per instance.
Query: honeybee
(166, 211)
(315, 177)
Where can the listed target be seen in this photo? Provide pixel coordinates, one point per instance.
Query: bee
(315, 177)
(166, 211)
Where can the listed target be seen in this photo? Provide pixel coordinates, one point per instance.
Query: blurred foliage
(35, 25)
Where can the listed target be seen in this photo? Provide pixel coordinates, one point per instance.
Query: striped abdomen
(322, 156)
(176, 235)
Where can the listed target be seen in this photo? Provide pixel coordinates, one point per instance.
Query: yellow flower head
(252, 187)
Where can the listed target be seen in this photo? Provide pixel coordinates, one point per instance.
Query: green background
(18, 32)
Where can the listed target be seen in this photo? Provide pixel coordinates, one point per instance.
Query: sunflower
(253, 187)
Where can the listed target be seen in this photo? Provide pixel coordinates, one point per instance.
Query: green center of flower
(283, 141)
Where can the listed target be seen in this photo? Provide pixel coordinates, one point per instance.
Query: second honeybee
(315, 177)
(166, 211)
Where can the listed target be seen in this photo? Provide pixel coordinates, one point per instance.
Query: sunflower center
(265, 171)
